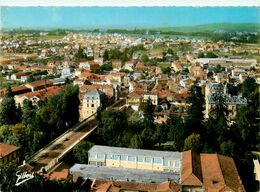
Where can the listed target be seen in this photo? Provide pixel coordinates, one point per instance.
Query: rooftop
(6, 149)
(236, 100)
(118, 174)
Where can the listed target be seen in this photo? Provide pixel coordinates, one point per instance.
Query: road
(52, 153)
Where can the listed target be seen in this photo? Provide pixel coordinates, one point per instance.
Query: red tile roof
(43, 93)
(6, 149)
(191, 169)
(213, 172)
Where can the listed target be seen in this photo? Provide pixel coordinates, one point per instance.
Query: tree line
(33, 126)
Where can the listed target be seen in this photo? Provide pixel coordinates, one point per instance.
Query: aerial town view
(130, 99)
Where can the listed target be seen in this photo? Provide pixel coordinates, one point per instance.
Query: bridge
(50, 155)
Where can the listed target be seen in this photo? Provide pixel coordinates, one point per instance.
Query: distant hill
(218, 27)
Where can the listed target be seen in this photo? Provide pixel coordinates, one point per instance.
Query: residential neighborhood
(129, 110)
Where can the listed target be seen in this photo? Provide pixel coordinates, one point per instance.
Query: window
(92, 155)
(131, 158)
(109, 156)
(166, 163)
(148, 160)
(172, 163)
(92, 163)
(101, 156)
(92, 105)
(116, 157)
(157, 160)
(177, 164)
(101, 164)
(140, 159)
(123, 157)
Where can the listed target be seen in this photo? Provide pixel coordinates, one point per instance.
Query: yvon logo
(22, 177)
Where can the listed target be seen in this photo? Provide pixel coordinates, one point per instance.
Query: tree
(248, 87)
(211, 55)
(105, 55)
(166, 70)
(217, 124)
(30, 79)
(81, 151)
(8, 111)
(201, 55)
(144, 58)
(80, 54)
(114, 123)
(136, 142)
(176, 131)
(28, 112)
(194, 120)
(149, 114)
(227, 148)
(193, 142)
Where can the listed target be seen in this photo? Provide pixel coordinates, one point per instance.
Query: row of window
(140, 159)
(92, 98)
(90, 105)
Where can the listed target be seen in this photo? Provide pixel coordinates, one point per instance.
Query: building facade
(134, 158)
(91, 102)
(232, 102)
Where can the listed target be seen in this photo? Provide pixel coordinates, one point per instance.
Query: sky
(123, 17)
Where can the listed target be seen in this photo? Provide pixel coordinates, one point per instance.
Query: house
(38, 95)
(176, 66)
(91, 102)
(232, 102)
(209, 172)
(20, 76)
(9, 154)
(36, 85)
(134, 100)
(89, 65)
(117, 64)
(153, 96)
(228, 63)
(107, 89)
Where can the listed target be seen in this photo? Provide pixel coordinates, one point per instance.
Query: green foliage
(193, 142)
(248, 87)
(176, 131)
(81, 151)
(149, 114)
(227, 148)
(144, 58)
(114, 123)
(211, 55)
(32, 127)
(218, 69)
(103, 68)
(30, 79)
(9, 113)
(166, 70)
(194, 120)
(136, 142)
(80, 54)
